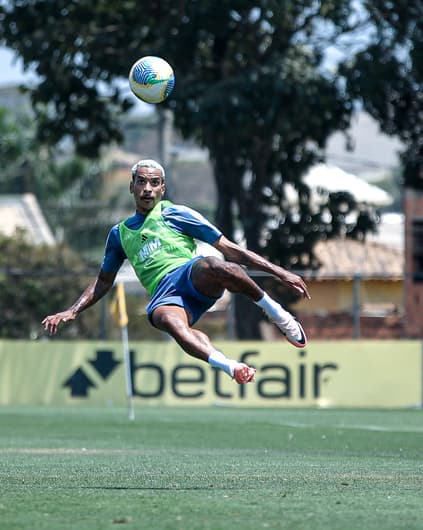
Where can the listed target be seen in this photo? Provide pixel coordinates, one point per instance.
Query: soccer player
(159, 242)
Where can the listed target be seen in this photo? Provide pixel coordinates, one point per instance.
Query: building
(356, 293)
(413, 282)
(23, 212)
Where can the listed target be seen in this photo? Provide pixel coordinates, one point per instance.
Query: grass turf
(210, 468)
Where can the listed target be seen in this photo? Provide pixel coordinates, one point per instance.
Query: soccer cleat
(243, 373)
(293, 332)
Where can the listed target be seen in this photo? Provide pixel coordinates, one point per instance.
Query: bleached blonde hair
(147, 163)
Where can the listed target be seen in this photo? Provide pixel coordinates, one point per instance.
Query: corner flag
(118, 306)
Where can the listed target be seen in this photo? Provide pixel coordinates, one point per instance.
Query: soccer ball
(151, 79)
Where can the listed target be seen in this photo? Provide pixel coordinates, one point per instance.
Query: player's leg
(175, 321)
(212, 275)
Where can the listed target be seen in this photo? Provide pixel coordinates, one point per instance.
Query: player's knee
(167, 321)
(217, 268)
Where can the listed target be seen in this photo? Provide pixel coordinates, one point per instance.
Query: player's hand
(297, 283)
(51, 322)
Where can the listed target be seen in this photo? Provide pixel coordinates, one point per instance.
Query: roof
(346, 258)
(23, 212)
(328, 179)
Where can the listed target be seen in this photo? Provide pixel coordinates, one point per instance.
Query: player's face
(148, 188)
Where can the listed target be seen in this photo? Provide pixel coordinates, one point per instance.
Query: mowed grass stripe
(211, 468)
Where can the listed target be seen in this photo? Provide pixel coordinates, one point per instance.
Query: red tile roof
(346, 258)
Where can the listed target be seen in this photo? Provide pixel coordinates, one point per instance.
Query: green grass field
(210, 468)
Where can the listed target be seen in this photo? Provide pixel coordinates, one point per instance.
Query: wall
(338, 295)
(340, 326)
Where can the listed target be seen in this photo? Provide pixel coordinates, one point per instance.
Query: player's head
(147, 184)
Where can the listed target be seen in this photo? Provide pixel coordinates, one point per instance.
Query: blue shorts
(176, 288)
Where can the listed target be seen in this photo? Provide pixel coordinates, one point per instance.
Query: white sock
(219, 360)
(272, 309)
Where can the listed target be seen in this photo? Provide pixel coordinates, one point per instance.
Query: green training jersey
(155, 249)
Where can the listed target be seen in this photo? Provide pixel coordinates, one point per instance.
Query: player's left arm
(191, 222)
(242, 256)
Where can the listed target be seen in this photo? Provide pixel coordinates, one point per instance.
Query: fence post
(421, 378)
(356, 306)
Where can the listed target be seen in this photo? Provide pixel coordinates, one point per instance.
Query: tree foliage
(253, 85)
(30, 166)
(387, 77)
(36, 281)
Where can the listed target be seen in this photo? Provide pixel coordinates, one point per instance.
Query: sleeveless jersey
(155, 249)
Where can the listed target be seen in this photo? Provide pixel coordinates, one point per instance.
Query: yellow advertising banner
(326, 374)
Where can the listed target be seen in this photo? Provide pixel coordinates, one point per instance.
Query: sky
(10, 69)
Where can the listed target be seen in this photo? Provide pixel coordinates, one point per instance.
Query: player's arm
(112, 260)
(92, 294)
(190, 222)
(237, 254)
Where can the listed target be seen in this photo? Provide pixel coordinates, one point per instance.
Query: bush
(38, 280)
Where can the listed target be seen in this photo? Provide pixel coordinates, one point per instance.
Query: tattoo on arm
(92, 294)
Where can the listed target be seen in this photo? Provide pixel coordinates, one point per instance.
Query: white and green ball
(151, 79)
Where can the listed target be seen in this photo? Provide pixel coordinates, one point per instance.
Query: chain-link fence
(341, 308)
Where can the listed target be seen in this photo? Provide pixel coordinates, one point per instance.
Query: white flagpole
(129, 390)
(119, 313)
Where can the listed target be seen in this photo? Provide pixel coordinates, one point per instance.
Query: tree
(387, 77)
(66, 185)
(252, 85)
(30, 166)
(35, 281)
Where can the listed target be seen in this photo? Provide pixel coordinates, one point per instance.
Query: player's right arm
(92, 294)
(113, 259)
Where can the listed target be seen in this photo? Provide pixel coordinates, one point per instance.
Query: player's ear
(131, 187)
